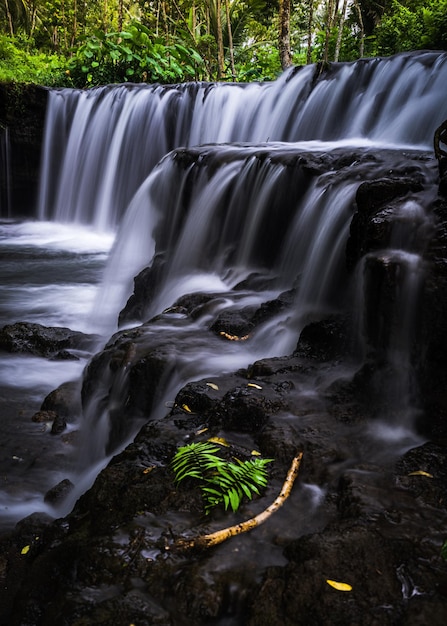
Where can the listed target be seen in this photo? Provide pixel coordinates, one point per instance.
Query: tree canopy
(81, 44)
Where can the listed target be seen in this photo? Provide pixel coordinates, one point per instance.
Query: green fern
(221, 482)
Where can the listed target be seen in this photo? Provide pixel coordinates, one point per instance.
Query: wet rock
(374, 531)
(432, 367)
(423, 471)
(59, 492)
(25, 337)
(59, 425)
(64, 355)
(326, 339)
(378, 211)
(65, 400)
(301, 589)
(145, 285)
(386, 284)
(245, 410)
(44, 416)
(238, 324)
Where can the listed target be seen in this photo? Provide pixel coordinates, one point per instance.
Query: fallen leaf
(255, 453)
(339, 586)
(219, 440)
(213, 386)
(202, 430)
(233, 337)
(25, 550)
(186, 408)
(254, 385)
(149, 469)
(420, 473)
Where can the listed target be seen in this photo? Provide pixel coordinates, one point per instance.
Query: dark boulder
(327, 339)
(379, 215)
(145, 286)
(44, 341)
(65, 400)
(59, 492)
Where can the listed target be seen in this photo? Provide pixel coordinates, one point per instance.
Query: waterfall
(101, 144)
(243, 195)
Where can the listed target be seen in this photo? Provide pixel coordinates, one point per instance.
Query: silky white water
(49, 274)
(119, 191)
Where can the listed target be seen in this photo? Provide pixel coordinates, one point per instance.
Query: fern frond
(222, 482)
(194, 461)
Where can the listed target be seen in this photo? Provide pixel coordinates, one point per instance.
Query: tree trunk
(362, 29)
(310, 32)
(75, 24)
(329, 15)
(120, 15)
(220, 47)
(8, 13)
(230, 40)
(285, 54)
(340, 30)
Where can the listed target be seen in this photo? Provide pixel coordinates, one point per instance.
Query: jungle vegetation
(80, 44)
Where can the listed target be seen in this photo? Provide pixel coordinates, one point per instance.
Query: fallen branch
(213, 539)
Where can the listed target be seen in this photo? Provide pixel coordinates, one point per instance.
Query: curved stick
(213, 539)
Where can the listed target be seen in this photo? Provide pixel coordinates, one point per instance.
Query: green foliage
(176, 41)
(412, 25)
(444, 551)
(221, 481)
(132, 55)
(19, 65)
(258, 62)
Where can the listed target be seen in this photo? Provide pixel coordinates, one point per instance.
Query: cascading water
(391, 283)
(239, 223)
(101, 144)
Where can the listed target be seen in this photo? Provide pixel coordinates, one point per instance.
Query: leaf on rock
(220, 440)
(254, 385)
(420, 473)
(339, 586)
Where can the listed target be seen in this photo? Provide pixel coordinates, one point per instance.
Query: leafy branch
(221, 481)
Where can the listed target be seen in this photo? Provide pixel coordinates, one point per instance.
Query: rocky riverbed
(364, 511)
(360, 513)
(368, 508)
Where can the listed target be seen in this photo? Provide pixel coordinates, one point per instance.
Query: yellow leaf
(420, 473)
(201, 431)
(186, 408)
(213, 386)
(254, 385)
(25, 550)
(255, 453)
(220, 440)
(339, 586)
(233, 337)
(149, 469)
